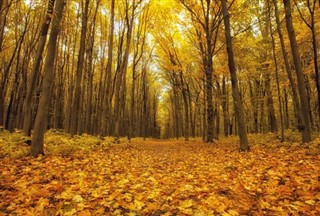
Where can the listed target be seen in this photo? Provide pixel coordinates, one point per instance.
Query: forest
(159, 107)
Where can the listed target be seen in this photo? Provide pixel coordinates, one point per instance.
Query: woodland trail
(165, 178)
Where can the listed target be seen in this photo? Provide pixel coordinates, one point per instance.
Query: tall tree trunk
(209, 103)
(305, 126)
(293, 85)
(312, 26)
(286, 109)
(32, 81)
(186, 109)
(204, 113)
(107, 100)
(244, 146)
(90, 71)
(254, 94)
(225, 107)
(123, 68)
(46, 93)
(278, 84)
(77, 91)
(270, 104)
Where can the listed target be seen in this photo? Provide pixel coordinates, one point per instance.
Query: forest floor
(86, 176)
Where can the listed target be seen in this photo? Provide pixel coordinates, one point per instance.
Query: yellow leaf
(310, 202)
(233, 212)
(186, 204)
(151, 207)
(84, 213)
(137, 205)
(212, 202)
(77, 198)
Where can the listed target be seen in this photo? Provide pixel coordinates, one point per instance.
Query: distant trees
(206, 16)
(255, 50)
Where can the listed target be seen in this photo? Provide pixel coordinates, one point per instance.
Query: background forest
(158, 68)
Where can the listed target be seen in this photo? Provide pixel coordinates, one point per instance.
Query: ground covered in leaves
(87, 176)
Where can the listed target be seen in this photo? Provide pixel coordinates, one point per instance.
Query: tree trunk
(278, 83)
(312, 25)
(32, 81)
(204, 113)
(123, 69)
(186, 109)
(305, 126)
(244, 146)
(106, 101)
(293, 85)
(209, 103)
(225, 108)
(90, 71)
(77, 91)
(46, 93)
(271, 111)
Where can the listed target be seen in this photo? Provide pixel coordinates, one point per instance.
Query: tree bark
(244, 146)
(78, 91)
(293, 85)
(107, 100)
(305, 124)
(186, 108)
(225, 108)
(270, 104)
(312, 27)
(121, 81)
(32, 81)
(46, 93)
(278, 84)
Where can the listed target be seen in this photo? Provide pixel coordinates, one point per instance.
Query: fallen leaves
(164, 178)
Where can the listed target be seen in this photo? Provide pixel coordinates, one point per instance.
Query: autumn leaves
(165, 178)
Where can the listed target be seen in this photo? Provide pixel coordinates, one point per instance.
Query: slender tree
(46, 92)
(77, 91)
(242, 128)
(305, 124)
(311, 5)
(207, 15)
(107, 86)
(293, 84)
(32, 80)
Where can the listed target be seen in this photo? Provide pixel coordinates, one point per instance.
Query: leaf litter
(166, 178)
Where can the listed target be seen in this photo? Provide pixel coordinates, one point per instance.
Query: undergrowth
(60, 143)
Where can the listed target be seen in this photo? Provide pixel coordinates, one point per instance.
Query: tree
(207, 15)
(311, 6)
(33, 77)
(75, 115)
(244, 146)
(46, 92)
(305, 124)
(293, 84)
(107, 86)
